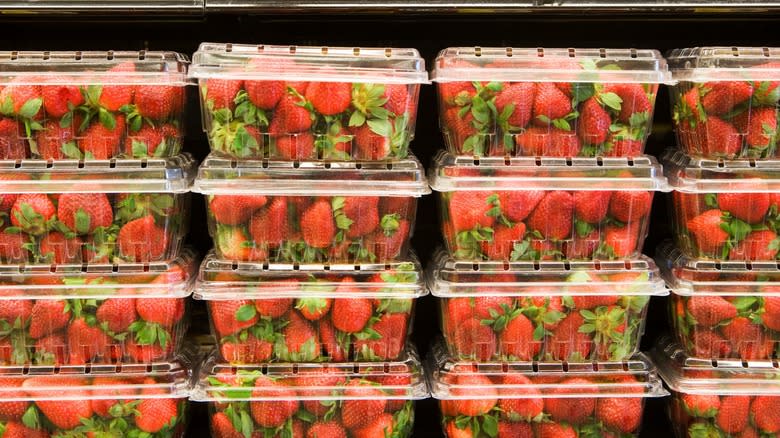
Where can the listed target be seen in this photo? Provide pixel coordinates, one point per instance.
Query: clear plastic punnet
(548, 208)
(102, 211)
(722, 309)
(75, 314)
(548, 311)
(307, 212)
(308, 103)
(725, 209)
(296, 400)
(504, 101)
(311, 312)
(96, 400)
(526, 399)
(91, 105)
(724, 101)
(725, 398)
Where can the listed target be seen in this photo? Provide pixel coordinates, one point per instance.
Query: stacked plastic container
(722, 267)
(311, 196)
(94, 207)
(545, 198)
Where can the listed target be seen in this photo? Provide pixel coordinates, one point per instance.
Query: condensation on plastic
(549, 65)
(701, 175)
(699, 64)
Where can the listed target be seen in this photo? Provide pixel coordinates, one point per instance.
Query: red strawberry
(151, 141)
(453, 93)
(700, 405)
(503, 243)
(32, 212)
(555, 430)
(453, 431)
(12, 410)
(747, 338)
(56, 248)
(458, 129)
(154, 414)
(84, 212)
(633, 97)
(269, 227)
(392, 330)
(365, 403)
(329, 98)
(593, 124)
(550, 103)
(273, 413)
(222, 427)
(265, 94)
(515, 430)
(274, 307)
(553, 216)
(235, 209)
(750, 207)
(317, 225)
(300, 341)
(567, 341)
(387, 244)
(570, 410)
(398, 101)
(85, 342)
(590, 206)
(623, 147)
(142, 240)
(771, 316)
(363, 211)
(762, 128)
(722, 97)
(622, 240)
(379, 427)
(707, 232)
(765, 412)
(370, 145)
(486, 306)
(710, 310)
(158, 102)
(222, 92)
(62, 415)
(330, 343)
(11, 310)
(290, 117)
(718, 137)
(52, 141)
(758, 245)
(520, 409)
(458, 310)
(733, 414)
(327, 430)
(163, 311)
(56, 99)
(630, 205)
(548, 141)
(225, 316)
(313, 308)
(707, 343)
(232, 243)
(517, 339)
(18, 430)
(521, 96)
(47, 317)
(350, 315)
(298, 146)
(13, 145)
(472, 339)
(102, 406)
(252, 350)
(518, 204)
(622, 414)
(51, 350)
(101, 142)
(20, 94)
(113, 97)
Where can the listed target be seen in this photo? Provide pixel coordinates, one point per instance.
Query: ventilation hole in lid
(46, 55)
(476, 161)
(260, 48)
(324, 50)
(540, 52)
(142, 55)
(569, 161)
(765, 51)
(565, 366)
(296, 164)
(389, 166)
(144, 163)
(602, 53)
(538, 161)
(293, 49)
(477, 51)
(358, 165)
(509, 52)
(717, 266)
(633, 53)
(110, 55)
(597, 265)
(537, 265)
(752, 162)
(327, 165)
(81, 165)
(572, 53)
(388, 52)
(115, 268)
(721, 164)
(734, 51)
(627, 265)
(228, 47)
(599, 161)
(505, 265)
(78, 56)
(566, 265)
(266, 265)
(475, 267)
(535, 367)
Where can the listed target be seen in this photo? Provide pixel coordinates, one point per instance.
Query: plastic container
(91, 105)
(722, 310)
(525, 399)
(94, 313)
(311, 211)
(312, 400)
(550, 311)
(97, 400)
(310, 313)
(98, 212)
(307, 103)
(719, 398)
(725, 210)
(504, 101)
(724, 103)
(550, 208)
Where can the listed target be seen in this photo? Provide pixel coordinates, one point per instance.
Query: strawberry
(12, 410)
(593, 124)
(765, 412)
(329, 98)
(62, 415)
(232, 243)
(222, 427)
(707, 232)
(555, 430)
(520, 409)
(590, 206)
(710, 310)
(252, 350)
(370, 145)
(85, 212)
(13, 145)
(484, 307)
(458, 129)
(706, 406)
(472, 339)
(750, 207)
(151, 141)
(222, 92)
(51, 350)
(324, 381)
(113, 97)
(54, 141)
(567, 342)
(570, 410)
(274, 307)
(313, 308)
(758, 245)
(327, 430)
(380, 426)
(707, 343)
(520, 96)
(718, 137)
(101, 142)
(18, 430)
(771, 316)
(398, 101)
(398, 381)
(154, 414)
(623, 147)
(453, 431)
(298, 146)
(163, 311)
(17, 95)
(550, 103)
(517, 339)
(290, 117)
(392, 330)
(733, 414)
(553, 216)
(548, 141)
(633, 97)
(48, 316)
(350, 315)
(364, 404)
(300, 341)
(721, 97)
(102, 406)
(330, 343)
(231, 316)
(516, 430)
(471, 407)
(630, 205)
(56, 248)
(59, 99)
(453, 93)
(142, 240)
(12, 310)
(518, 204)
(265, 94)
(32, 212)
(317, 225)
(363, 211)
(504, 239)
(235, 209)
(269, 227)
(622, 414)
(762, 128)
(386, 244)
(623, 241)
(157, 102)
(747, 339)
(85, 342)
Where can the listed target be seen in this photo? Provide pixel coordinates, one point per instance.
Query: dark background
(429, 33)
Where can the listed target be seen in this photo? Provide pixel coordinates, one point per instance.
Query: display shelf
(102, 7)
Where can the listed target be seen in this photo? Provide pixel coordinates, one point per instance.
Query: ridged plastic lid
(714, 376)
(227, 280)
(700, 175)
(95, 67)
(452, 173)
(549, 65)
(699, 64)
(309, 63)
(158, 175)
(218, 176)
(448, 277)
(607, 379)
(225, 382)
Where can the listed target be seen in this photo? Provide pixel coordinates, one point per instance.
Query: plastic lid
(448, 277)
(452, 173)
(227, 280)
(309, 63)
(549, 65)
(691, 276)
(606, 378)
(699, 64)
(700, 175)
(159, 175)
(137, 67)
(223, 382)
(172, 279)
(714, 376)
(218, 176)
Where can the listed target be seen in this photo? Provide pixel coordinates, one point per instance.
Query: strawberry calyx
(468, 243)
(481, 425)
(499, 320)
(149, 333)
(369, 101)
(332, 136)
